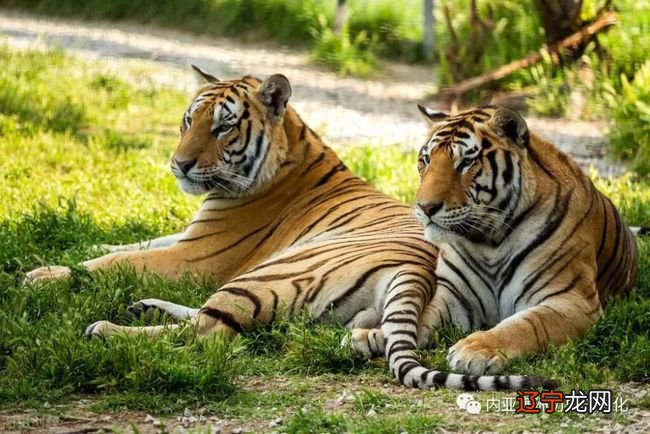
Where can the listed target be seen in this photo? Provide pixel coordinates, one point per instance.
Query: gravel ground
(78, 418)
(377, 111)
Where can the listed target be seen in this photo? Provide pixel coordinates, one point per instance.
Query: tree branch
(585, 34)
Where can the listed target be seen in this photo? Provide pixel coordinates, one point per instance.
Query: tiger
(530, 251)
(286, 227)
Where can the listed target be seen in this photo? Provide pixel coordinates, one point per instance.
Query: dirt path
(378, 111)
(332, 396)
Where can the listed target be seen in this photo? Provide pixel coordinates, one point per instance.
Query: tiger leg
(107, 328)
(165, 241)
(248, 302)
(371, 342)
(239, 305)
(165, 261)
(555, 320)
(403, 297)
(177, 311)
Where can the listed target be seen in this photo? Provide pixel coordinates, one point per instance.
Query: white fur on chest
(491, 279)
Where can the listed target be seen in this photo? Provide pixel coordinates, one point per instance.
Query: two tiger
(509, 234)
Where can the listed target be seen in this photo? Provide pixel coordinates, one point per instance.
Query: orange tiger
(529, 248)
(286, 227)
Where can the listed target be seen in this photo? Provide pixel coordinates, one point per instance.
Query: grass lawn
(84, 160)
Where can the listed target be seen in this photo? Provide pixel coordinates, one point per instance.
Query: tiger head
(232, 138)
(472, 173)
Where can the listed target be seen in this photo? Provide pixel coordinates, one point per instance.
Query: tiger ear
(202, 76)
(510, 125)
(274, 92)
(432, 116)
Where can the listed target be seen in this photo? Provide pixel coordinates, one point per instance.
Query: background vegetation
(609, 82)
(79, 170)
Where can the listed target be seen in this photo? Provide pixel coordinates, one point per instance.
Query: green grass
(79, 168)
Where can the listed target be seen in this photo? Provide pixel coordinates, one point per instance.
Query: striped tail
(400, 325)
(640, 230)
(406, 368)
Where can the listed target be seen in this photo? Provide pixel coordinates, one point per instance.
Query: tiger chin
(529, 249)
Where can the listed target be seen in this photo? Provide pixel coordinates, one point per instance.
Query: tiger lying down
(528, 246)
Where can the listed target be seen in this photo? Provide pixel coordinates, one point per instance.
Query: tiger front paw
(47, 274)
(367, 342)
(100, 329)
(477, 355)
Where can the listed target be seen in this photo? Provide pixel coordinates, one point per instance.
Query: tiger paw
(100, 329)
(46, 274)
(368, 342)
(477, 355)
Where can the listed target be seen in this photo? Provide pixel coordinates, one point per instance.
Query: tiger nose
(186, 165)
(430, 208)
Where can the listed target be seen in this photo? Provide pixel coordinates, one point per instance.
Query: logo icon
(466, 401)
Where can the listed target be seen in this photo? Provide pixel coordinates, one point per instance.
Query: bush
(516, 32)
(630, 137)
(349, 56)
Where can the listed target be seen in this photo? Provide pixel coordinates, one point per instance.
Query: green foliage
(54, 111)
(516, 32)
(630, 109)
(318, 421)
(611, 77)
(551, 91)
(392, 169)
(369, 399)
(348, 56)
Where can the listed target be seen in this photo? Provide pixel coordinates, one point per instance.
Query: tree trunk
(429, 39)
(341, 16)
(561, 18)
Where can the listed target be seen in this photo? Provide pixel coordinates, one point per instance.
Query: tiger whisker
(487, 225)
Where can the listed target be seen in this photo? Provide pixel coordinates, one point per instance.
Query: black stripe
(567, 288)
(275, 306)
(404, 345)
(468, 285)
(532, 279)
(603, 271)
(338, 168)
(556, 217)
(440, 379)
(508, 171)
(535, 158)
(212, 220)
(486, 143)
(241, 292)
(318, 159)
(470, 382)
(405, 368)
(200, 237)
(359, 283)
(224, 317)
(230, 246)
(502, 382)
